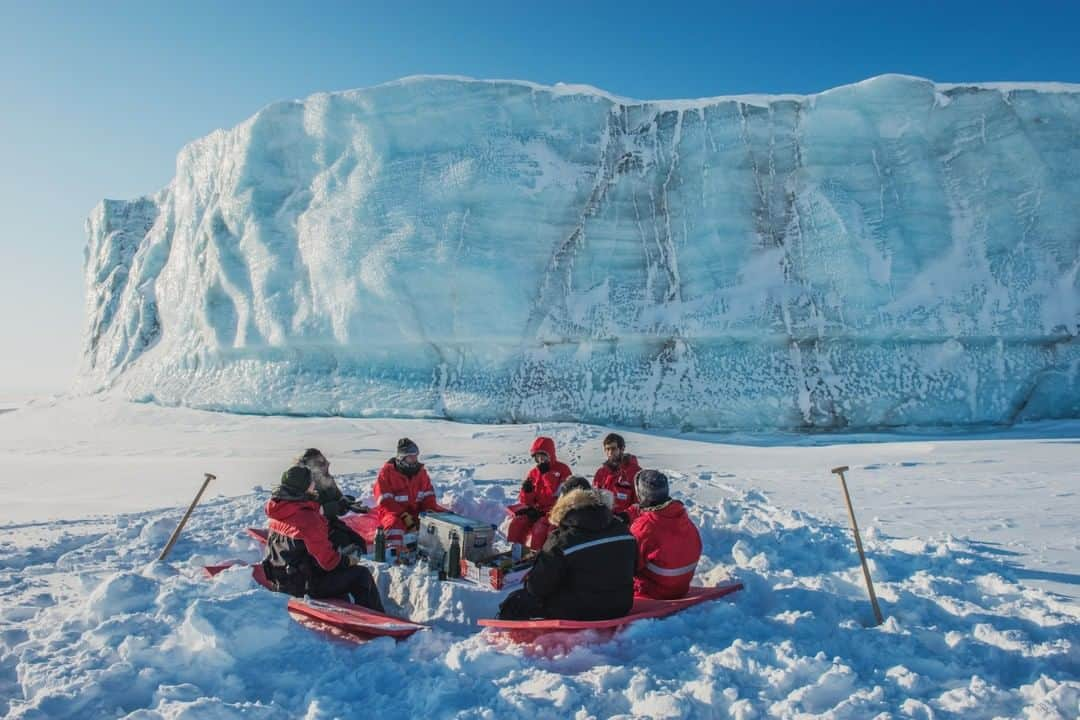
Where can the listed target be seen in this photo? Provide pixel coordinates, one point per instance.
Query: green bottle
(453, 558)
(380, 545)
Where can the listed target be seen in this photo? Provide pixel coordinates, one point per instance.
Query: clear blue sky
(97, 98)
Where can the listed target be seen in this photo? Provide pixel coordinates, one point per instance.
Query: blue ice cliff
(889, 253)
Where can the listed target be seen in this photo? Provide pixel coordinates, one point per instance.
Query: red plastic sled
(337, 618)
(364, 525)
(353, 618)
(212, 570)
(526, 630)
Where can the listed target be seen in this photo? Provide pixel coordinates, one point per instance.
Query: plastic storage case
(498, 571)
(438, 528)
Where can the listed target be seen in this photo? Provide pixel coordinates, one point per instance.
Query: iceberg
(890, 253)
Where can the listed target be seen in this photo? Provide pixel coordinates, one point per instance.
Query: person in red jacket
(538, 494)
(402, 491)
(300, 559)
(616, 476)
(669, 545)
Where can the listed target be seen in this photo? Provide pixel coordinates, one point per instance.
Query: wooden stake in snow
(183, 520)
(858, 543)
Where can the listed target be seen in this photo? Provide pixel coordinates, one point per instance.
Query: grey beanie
(651, 487)
(405, 446)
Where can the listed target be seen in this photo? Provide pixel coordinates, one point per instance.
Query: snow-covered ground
(972, 541)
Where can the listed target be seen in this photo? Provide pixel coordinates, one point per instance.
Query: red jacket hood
(285, 510)
(544, 445)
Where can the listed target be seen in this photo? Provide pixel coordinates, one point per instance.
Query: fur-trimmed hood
(578, 500)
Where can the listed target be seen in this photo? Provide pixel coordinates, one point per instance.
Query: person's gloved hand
(528, 486)
(358, 507)
(352, 553)
(625, 517)
(532, 513)
(408, 520)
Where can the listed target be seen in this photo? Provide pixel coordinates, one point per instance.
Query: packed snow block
(888, 253)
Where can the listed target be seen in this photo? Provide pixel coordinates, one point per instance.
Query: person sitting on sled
(402, 491)
(669, 546)
(334, 503)
(537, 496)
(300, 560)
(585, 570)
(616, 476)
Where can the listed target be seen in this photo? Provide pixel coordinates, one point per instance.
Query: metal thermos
(453, 558)
(380, 545)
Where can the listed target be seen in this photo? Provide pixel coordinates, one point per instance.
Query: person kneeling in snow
(537, 496)
(402, 491)
(300, 560)
(334, 503)
(585, 570)
(669, 545)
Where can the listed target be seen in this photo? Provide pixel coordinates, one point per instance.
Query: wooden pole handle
(858, 544)
(183, 521)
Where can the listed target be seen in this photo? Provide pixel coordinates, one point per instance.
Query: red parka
(396, 493)
(669, 548)
(303, 520)
(619, 482)
(545, 485)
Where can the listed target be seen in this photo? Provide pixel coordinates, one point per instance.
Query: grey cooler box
(437, 529)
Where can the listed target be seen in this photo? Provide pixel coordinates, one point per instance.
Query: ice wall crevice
(881, 254)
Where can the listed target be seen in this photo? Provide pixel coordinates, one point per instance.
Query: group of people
(311, 551)
(596, 545)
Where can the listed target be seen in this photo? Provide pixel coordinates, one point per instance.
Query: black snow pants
(354, 581)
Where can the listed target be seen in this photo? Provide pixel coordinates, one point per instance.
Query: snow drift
(893, 252)
(92, 628)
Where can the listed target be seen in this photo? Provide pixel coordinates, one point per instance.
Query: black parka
(585, 570)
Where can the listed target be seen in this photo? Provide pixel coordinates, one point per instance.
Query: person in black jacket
(585, 570)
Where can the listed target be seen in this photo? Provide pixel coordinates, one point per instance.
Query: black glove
(625, 517)
(532, 513)
(528, 486)
(353, 552)
(357, 507)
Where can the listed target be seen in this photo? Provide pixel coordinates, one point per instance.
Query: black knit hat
(311, 454)
(296, 479)
(652, 488)
(405, 446)
(572, 483)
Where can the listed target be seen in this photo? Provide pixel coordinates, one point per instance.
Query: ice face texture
(889, 253)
